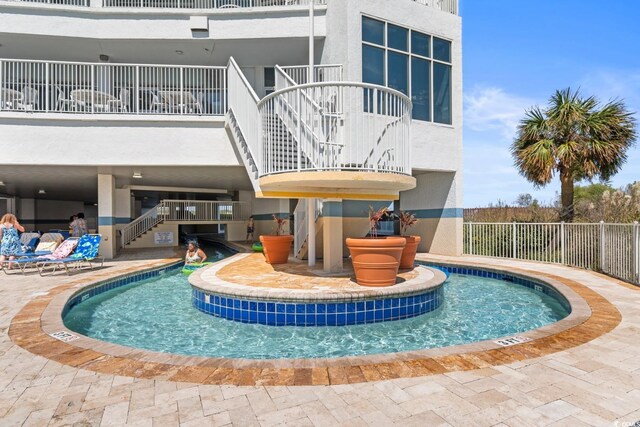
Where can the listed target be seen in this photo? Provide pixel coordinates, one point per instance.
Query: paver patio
(597, 383)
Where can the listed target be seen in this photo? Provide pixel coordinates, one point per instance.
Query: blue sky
(516, 54)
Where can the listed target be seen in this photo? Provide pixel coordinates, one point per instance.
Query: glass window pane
(420, 82)
(441, 49)
(442, 93)
(269, 77)
(372, 31)
(420, 43)
(398, 72)
(397, 37)
(372, 65)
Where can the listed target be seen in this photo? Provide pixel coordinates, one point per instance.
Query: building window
(414, 63)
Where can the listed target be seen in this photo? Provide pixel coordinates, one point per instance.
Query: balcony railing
(323, 73)
(175, 4)
(450, 6)
(85, 88)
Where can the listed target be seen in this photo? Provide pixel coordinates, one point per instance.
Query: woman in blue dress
(9, 238)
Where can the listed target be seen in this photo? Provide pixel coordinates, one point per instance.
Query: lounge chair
(61, 252)
(42, 248)
(25, 238)
(86, 252)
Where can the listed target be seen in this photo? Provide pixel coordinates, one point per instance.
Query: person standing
(79, 226)
(250, 229)
(9, 238)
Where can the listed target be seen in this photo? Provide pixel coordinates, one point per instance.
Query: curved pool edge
(306, 307)
(592, 316)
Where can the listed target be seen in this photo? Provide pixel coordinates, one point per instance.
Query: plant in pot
(408, 220)
(277, 247)
(376, 261)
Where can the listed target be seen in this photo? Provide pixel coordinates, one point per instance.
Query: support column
(123, 207)
(311, 227)
(332, 236)
(107, 215)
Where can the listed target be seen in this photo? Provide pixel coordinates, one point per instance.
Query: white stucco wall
(83, 141)
(141, 24)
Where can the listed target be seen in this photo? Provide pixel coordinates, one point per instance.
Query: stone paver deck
(586, 379)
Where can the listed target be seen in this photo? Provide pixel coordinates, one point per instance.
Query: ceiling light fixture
(1, 183)
(179, 52)
(137, 175)
(41, 191)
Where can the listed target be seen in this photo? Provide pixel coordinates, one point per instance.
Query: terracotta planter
(376, 261)
(409, 252)
(276, 248)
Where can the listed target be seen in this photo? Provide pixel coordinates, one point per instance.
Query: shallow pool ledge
(315, 300)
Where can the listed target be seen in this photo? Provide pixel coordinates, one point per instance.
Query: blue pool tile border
(537, 286)
(272, 313)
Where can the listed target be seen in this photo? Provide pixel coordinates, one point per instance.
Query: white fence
(613, 249)
(334, 126)
(97, 88)
(185, 211)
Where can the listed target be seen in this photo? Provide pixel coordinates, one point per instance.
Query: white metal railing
(98, 88)
(301, 232)
(185, 211)
(335, 126)
(322, 73)
(450, 6)
(176, 4)
(613, 249)
(243, 102)
(205, 4)
(141, 225)
(83, 3)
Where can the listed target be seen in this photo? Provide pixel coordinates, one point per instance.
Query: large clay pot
(376, 261)
(276, 248)
(409, 252)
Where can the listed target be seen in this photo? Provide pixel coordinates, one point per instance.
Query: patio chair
(25, 238)
(41, 249)
(30, 99)
(63, 103)
(124, 100)
(9, 98)
(86, 252)
(61, 252)
(157, 104)
(51, 237)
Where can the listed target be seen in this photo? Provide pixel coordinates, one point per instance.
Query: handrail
(301, 234)
(184, 211)
(243, 102)
(340, 126)
(341, 84)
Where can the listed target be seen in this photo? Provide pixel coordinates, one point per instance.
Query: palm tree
(575, 137)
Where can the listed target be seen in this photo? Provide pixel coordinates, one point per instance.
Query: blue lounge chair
(63, 251)
(86, 252)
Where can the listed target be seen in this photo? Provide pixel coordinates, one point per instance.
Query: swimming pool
(157, 314)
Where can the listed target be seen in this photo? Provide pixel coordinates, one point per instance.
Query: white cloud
(491, 109)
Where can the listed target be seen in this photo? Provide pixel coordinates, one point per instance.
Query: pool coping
(592, 316)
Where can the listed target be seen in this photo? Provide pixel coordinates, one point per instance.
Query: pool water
(157, 315)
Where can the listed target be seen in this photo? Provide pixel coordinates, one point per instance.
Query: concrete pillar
(107, 215)
(311, 228)
(123, 207)
(437, 203)
(332, 236)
